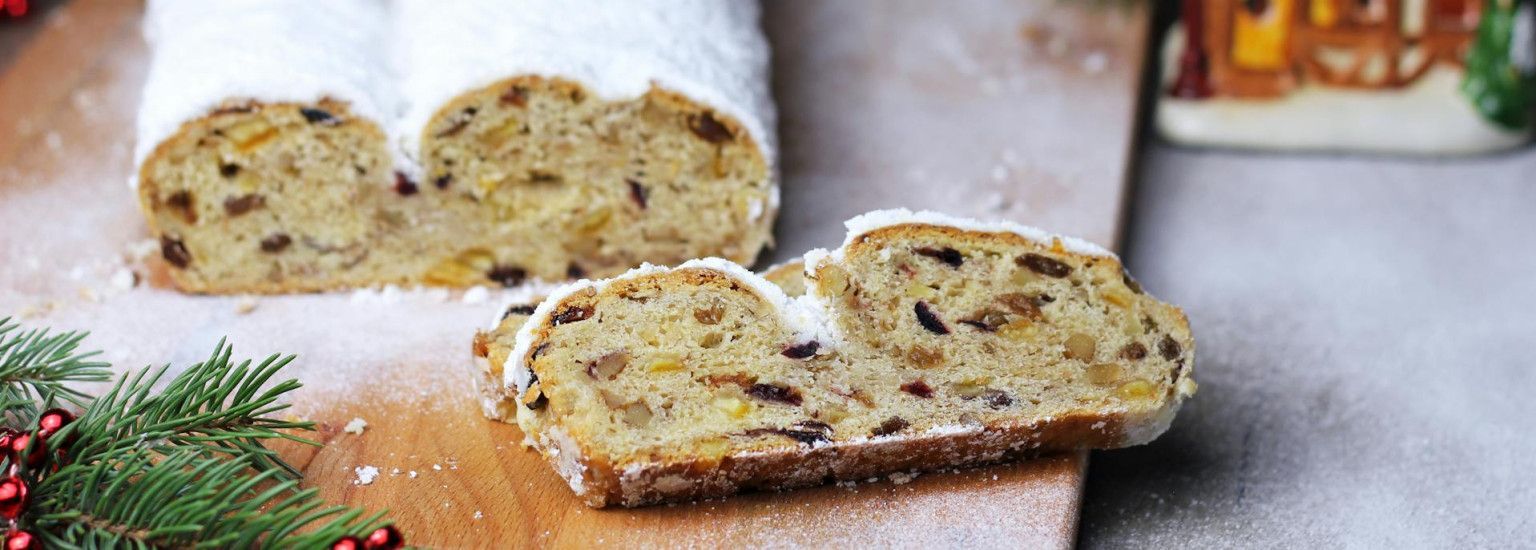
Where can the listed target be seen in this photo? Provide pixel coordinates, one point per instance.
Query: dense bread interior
(255, 194)
(526, 178)
(603, 184)
(941, 328)
(945, 328)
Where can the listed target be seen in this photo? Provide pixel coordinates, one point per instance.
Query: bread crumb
(124, 279)
(356, 426)
(142, 250)
(411, 474)
(476, 295)
(903, 478)
(437, 467)
(478, 515)
(245, 304)
(365, 474)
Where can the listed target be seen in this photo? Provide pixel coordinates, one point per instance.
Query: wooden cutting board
(999, 109)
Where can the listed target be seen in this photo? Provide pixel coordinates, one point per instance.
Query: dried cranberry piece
(525, 309)
(638, 193)
(175, 252)
(889, 426)
(572, 314)
(442, 181)
(229, 170)
(919, 388)
(1044, 265)
(929, 319)
(708, 129)
(507, 275)
(404, 185)
(319, 116)
(460, 121)
(1133, 351)
(946, 254)
(276, 242)
(776, 393)
(801, 351)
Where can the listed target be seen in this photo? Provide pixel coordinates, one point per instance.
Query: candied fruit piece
(1103, 374)
(1081, 346)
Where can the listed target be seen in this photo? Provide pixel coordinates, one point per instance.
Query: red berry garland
(22, 540)
(13, 497)
(384, 538)
(53, 420)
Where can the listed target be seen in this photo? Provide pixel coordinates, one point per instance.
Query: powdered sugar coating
(205, 53)
(870, 221)
(709, 50)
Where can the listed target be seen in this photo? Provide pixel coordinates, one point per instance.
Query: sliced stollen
(589, 137)
(264, 164)
(924, 342)
(491, 347)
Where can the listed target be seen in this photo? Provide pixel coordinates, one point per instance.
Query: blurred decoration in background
(1414, 76)
(12, 8)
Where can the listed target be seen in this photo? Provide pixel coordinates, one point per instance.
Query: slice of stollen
(924, 342)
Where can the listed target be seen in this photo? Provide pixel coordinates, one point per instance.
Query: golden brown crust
(806, 466)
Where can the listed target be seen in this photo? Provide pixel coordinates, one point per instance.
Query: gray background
(1366, 340)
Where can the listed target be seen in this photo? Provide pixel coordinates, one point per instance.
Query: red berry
(36, 457)
(13, 497)
(7, 436)
(384, 538)
(348, 542)
(52, 420)
(22, 540)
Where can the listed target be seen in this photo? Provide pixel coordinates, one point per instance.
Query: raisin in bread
(546, 140)
(491, 347)
(923, 342)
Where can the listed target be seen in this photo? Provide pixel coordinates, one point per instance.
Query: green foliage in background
(1500, 80)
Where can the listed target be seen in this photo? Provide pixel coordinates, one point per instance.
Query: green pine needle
(36, 366)
(182, 466)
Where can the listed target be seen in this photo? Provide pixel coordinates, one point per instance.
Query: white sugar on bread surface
(871, 221)
(204, 54)
(709, 50)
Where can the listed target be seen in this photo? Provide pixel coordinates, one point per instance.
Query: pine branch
(188, 498)
(212, 406)
(35, 368)
(182, 466)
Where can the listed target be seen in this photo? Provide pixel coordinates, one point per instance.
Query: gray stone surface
(1367, 337)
